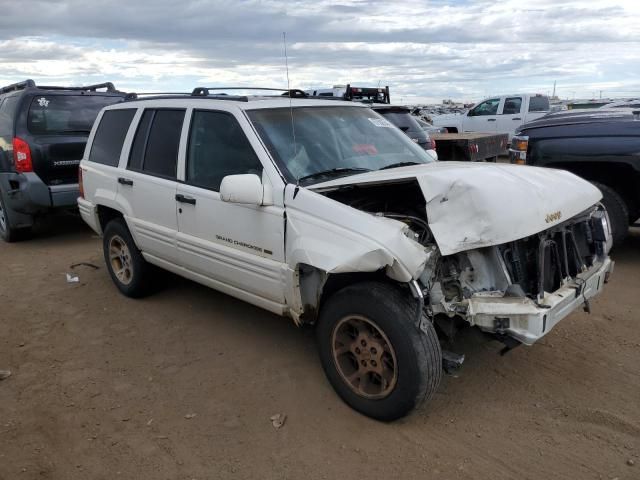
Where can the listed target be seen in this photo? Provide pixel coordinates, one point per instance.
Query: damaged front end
(516, 290)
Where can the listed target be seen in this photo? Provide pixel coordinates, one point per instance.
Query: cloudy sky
(422, 49)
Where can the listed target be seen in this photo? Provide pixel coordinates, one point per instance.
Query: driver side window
(488, 107)
(218, 147)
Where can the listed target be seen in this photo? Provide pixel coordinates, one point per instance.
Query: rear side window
(53, 114)
(512, 105)
(107, 143)
(539, 104)
(155, 147)
(7, 111)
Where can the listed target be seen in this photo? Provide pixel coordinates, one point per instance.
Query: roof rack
(18, 86)
(31, 84)
(372, 95)
(87, 88)
(216, 94)
(206, 91)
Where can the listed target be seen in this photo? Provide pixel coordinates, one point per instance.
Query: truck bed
(470, 146)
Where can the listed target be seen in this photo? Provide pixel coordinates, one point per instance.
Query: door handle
(516, 118)
(125, 181)
(183, 199)
(491, 119)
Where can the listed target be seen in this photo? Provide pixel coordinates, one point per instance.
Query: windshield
(347, 140)
(51, 114)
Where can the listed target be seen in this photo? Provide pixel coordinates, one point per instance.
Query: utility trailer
(470, 146)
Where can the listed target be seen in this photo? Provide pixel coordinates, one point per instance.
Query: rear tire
(128, 269)
(374, 355)
(8, 232)
(618, 213)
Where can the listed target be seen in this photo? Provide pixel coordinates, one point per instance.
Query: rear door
(483, 117)
(56, 127)
(147, 187)
(510, 116)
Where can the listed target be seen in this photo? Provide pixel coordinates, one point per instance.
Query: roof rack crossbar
(90, 88)
(294, 92)
(165, 96)
(18, 86)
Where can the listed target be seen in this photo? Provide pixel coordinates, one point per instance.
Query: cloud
(434, 49)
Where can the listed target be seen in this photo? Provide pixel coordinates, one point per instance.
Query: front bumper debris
(527, 321)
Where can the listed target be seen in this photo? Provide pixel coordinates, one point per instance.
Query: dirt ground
(182, 385)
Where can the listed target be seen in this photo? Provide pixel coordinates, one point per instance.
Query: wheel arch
(317, 285)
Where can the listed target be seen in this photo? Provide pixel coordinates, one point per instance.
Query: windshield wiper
(400, 164)
(334, 172)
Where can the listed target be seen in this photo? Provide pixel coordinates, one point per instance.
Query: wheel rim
(364, 357)
(120, 260)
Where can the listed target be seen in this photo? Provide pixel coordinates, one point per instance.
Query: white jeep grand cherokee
(324, 212)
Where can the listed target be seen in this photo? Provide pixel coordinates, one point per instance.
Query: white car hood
(474, 205)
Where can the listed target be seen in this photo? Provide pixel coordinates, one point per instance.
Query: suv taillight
(80, 182)
(22, 156)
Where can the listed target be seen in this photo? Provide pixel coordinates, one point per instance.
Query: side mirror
(246, 189)
(470, 113)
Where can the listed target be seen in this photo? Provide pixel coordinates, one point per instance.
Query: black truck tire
(374, 355)
(618, 213)
(128, 269)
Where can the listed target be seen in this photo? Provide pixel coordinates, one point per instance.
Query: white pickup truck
(499, 114)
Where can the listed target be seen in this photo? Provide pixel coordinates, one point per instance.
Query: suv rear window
(52, 114)
(539, 104)
(109, 137)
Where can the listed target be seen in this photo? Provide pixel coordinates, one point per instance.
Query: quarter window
(512, 106)
(218, 147)
(155, 146)
(109, 137)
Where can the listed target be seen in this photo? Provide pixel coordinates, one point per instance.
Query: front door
(148, 186)
(483, 117)
(240, 248)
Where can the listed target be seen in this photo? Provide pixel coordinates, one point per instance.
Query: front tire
(618, 213)
(128, 269)
(374, 355)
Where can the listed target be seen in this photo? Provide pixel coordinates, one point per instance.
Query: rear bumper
(89, 214)
(527, 322)
(26, 193)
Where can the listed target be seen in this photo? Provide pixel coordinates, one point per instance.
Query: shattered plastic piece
(278, 420)
(4, 374)
(72, 278)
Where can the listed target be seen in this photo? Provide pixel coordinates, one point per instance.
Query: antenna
(286, 64)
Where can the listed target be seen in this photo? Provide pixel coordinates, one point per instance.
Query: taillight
(80, 182)
(433, 144)
(518, 150)
(22, 156)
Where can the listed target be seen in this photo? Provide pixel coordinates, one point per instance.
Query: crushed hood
(474, 205)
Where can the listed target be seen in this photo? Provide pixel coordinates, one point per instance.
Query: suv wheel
(128, 269)
(373, 353)
(8, 232)
(618, 213)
